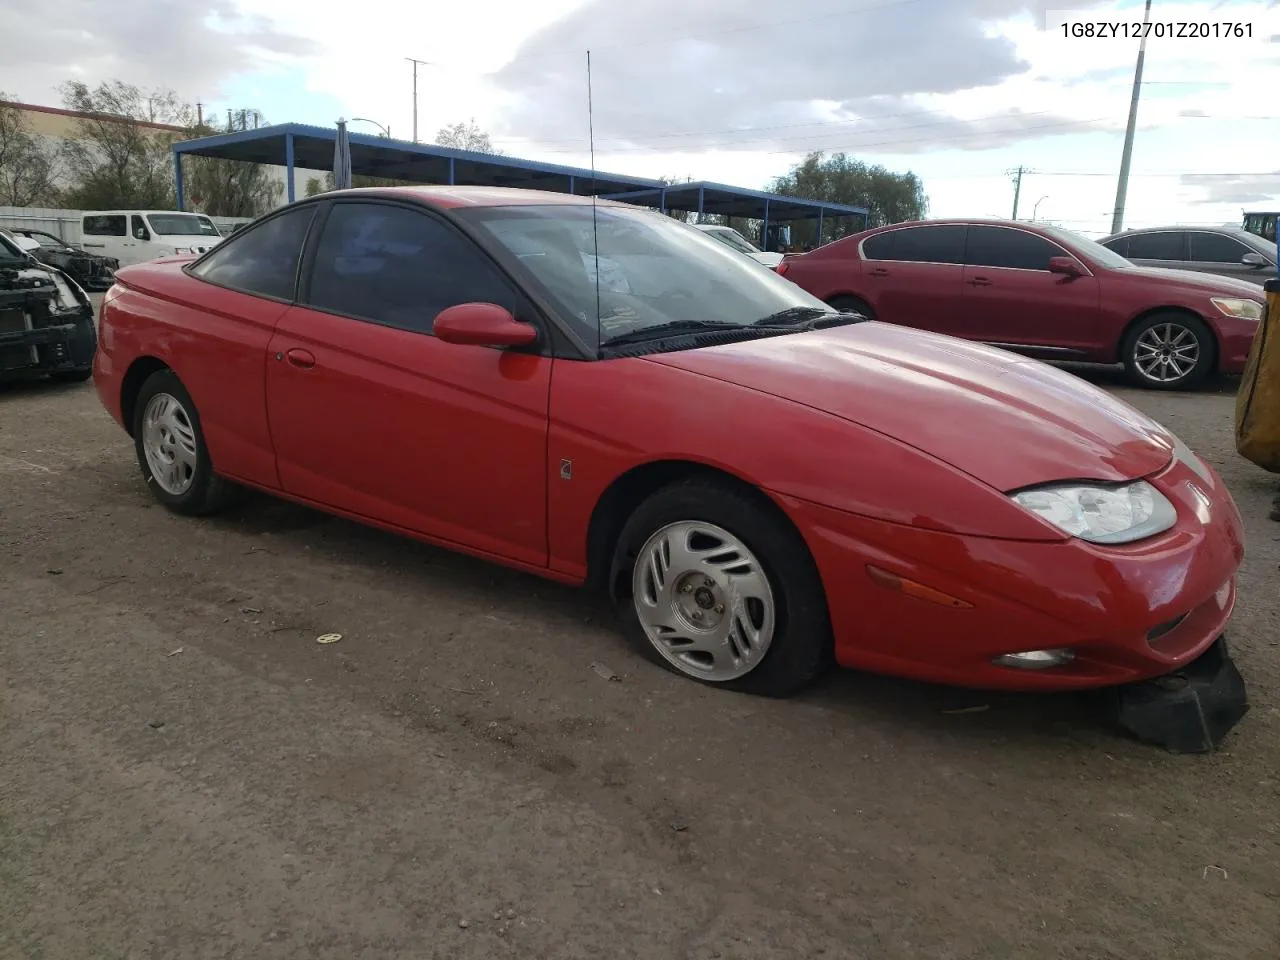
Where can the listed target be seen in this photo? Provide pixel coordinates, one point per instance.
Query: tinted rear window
(1156, 246)
(943, 243)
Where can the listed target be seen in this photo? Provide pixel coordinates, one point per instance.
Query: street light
(1037, 207)
(386, 131)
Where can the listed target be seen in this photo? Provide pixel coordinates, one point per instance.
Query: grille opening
(1163, 629)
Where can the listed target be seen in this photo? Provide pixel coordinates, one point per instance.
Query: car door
(1157, 248)
(252, 281)
(913, 275)
(372, 415)
(1220, 254)
(1012, 300)
(107, 234)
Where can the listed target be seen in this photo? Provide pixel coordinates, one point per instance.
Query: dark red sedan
(605, 396)
(1039, 290)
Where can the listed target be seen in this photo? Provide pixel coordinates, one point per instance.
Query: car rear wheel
(852, 305)
(171, 449)
(1169, 351)
(716, 585)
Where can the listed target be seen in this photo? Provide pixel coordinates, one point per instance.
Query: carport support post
(177, 179)
(451, 171)
(702, 199)
(817, 241)
(288, 165)
(764, 230)
(572, 190)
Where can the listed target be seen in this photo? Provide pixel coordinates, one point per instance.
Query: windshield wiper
(804, 318)
(674, 329)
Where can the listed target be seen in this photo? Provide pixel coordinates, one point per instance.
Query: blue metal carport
(297, 145)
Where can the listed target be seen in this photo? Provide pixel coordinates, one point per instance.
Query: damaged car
(46, 320)
(93, 272)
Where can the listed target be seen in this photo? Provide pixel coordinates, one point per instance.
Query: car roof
(1226, 230)
(457, 196)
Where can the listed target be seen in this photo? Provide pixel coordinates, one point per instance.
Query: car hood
(1009, 421)
(1211, 284)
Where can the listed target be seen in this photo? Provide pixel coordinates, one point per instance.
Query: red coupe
(601, 395)
(1039, 290)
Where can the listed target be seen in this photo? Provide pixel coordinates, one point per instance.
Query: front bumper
(1128, 613)
(34, 343)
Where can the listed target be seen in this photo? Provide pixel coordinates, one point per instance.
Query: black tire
(801, 647)
(1161, 326)
(207, 492)
(72, 376)
(850, 304)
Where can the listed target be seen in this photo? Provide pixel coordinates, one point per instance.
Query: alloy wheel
(703, 601)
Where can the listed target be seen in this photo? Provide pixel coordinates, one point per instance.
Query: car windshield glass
(8, 249)
(734, 239)
(655, 273)
(1261, 244)
(1090, 248)
(181, 225)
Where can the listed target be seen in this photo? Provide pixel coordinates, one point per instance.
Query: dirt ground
(186, 773)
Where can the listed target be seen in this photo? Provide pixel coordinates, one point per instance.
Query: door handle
(300, 358)
(979, 282)
(879, 272)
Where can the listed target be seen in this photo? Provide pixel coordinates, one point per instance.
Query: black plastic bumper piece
(1188, 711)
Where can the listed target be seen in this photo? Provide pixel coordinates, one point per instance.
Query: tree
(119, 158)
(466, 136)
(316, 186)
(889, 197)
(27, 169)
(229, 188)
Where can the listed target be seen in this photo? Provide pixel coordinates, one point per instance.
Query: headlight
(1246, 309)
(1102, 514)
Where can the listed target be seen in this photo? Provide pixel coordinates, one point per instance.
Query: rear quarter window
(105, 226)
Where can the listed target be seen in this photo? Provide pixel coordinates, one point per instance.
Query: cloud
(798, 77)
(156, 44)
(1234, 189)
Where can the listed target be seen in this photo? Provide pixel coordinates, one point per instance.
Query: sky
(960, 92)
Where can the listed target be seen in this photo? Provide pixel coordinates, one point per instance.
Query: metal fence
(65, 224)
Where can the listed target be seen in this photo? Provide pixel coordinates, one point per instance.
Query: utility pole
(1122, 187)
(1017, 188)
(199, 114)
(415, 94)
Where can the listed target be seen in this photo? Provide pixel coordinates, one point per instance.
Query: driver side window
(400, 267)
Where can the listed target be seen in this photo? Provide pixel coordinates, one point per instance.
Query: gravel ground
(187, 774)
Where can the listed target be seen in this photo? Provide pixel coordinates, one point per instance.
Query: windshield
(1090, 248)
(654, 271)
(1261, 224)
(9, 250)
(733, 238)
(181, 225)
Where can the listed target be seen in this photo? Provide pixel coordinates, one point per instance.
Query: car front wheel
(1169, 351)
(171, 449)
(718, 586)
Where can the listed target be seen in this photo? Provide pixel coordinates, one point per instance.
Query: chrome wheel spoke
(703, 600)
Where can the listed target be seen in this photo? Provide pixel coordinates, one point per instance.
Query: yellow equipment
(1258, 402)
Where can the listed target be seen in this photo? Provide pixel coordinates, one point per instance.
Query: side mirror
(482, 325)
(1066, 266)
(1254, 260)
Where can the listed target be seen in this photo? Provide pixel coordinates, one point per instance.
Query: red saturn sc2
(601, 395)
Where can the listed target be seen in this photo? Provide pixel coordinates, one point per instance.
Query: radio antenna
(595, 227)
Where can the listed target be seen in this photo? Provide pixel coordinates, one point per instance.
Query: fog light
(1035, 659)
